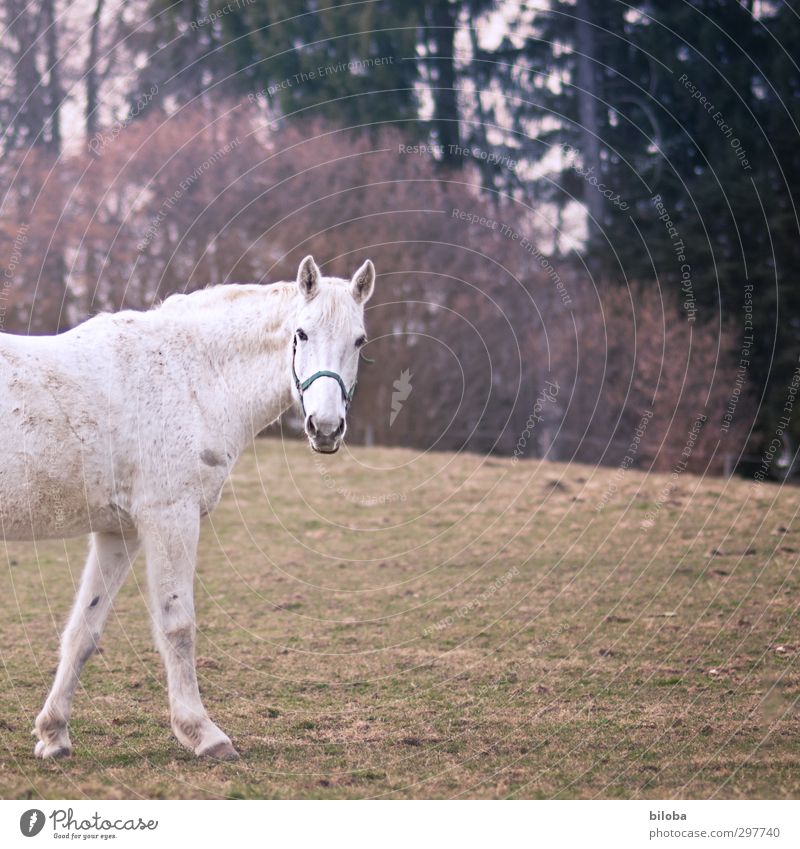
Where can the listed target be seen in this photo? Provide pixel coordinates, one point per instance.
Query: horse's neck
(243, 346)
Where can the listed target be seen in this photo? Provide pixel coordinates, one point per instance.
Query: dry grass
(387, 624)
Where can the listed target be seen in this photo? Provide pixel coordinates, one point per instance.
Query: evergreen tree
(350, 63)
(675, 126)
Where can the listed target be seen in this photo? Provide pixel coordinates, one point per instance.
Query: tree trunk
(587, 112)
(55, 95)
(92, 75)
(29, 122)
(443, 15)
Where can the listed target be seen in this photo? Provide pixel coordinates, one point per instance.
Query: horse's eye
(360, 341)
(301, 335)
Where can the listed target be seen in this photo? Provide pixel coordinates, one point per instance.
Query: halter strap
(302, 385)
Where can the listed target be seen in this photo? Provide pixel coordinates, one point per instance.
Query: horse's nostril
(311, 428)
(340, 429)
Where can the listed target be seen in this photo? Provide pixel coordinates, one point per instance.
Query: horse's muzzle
(325, 440)
(325, 445)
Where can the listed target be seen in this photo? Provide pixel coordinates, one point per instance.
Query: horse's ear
(363, 283)
(308, 277)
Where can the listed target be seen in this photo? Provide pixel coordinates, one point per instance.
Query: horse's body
(127, 428)
(96, 422)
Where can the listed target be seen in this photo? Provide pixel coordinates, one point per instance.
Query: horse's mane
(213, 293)
(329, 298)
(216, 294)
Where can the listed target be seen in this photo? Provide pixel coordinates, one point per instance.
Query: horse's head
(328, 333)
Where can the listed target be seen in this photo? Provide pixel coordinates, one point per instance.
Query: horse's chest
(213, 470)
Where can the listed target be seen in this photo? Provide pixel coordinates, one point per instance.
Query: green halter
(302, 385)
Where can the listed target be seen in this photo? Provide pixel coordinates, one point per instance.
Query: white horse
(127, 427)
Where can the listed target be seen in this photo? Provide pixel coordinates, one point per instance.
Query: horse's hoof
(42, 750)
(221, 752)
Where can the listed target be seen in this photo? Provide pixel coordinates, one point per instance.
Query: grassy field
(384, 624)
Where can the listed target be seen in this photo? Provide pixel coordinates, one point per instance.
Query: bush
(471, 322)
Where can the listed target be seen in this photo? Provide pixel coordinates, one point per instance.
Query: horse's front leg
(110, 558)
(171, 550)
